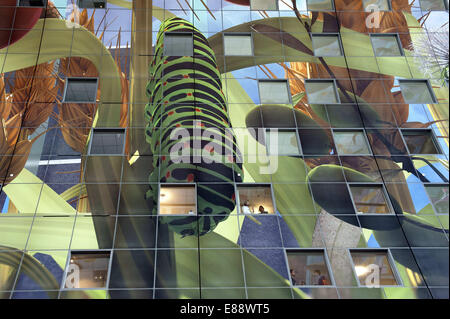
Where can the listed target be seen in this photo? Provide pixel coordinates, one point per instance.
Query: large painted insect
(185, 93)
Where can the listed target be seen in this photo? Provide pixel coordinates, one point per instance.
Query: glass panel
(416, 92)
(108, 142)
(274, 92)
(81, 90)
(373, 268)
(326, 45)
(420, 141)
(178, 44)
(87, 270)
(92, 4)
(385, 45)
(282, 143)
(308, 268)
(369, 199)
(264, 4)
(351, 142)
(427, 5)
(320, 5)
(321, 92)
(177, 200)
(439, 197)
(239, 44)
(255, 199)
(381, 5)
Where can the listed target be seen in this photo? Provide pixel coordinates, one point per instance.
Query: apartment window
(386, 45)
(320, 5)
(89, 4)
(178, 44)
(274, 92)
(420, 141)
(417, 91)
(321, 92)
(439, 195)
(351, 142)
(376, 5)
(267, 5)
(326, 45)
(255, 199)
(308, 267)
(107, 141)
(87, 269)
(177, 199)
(281, 142)
(238, 44)
(80, 90)
(32, 3)
(370, 199)
(433, 5)
(374, 268)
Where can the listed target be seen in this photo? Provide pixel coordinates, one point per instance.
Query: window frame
(107, 129)
(311, 250)
(293, 130)
(288, 90)
(87, 251)
(445, 7)
(432, 136)
(66, 85)
(387, 35)
(429, 87)
(178, 34)
(335, 89)
(239, 34)
(371, 185)
(238, 199)
(328, 34)
(158, 213)
(390, 260)
(360, 130)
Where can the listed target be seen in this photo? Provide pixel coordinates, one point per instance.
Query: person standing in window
(261, 210)
(294, 282)
(321, 279)
(246, 208)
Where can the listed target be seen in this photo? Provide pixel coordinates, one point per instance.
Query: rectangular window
(308, 267)
(177, 199)
(439, 197)
(420, 141)
(89, 4)
(320, 5)
(107, 141)
(255, 199)
(417, 92)
(370, 199)
(274, 92)
(433, 5)
(265, 5)
(321, 92)
(351, 142)
(282, 142)
(238, 44)
(386, 45)
(178, 44)
(87, 269)
(373, 268)
(80, 90)
(32, 3)
(376, 5)
(326, 45)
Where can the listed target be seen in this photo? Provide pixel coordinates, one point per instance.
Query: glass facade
(225, 149)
